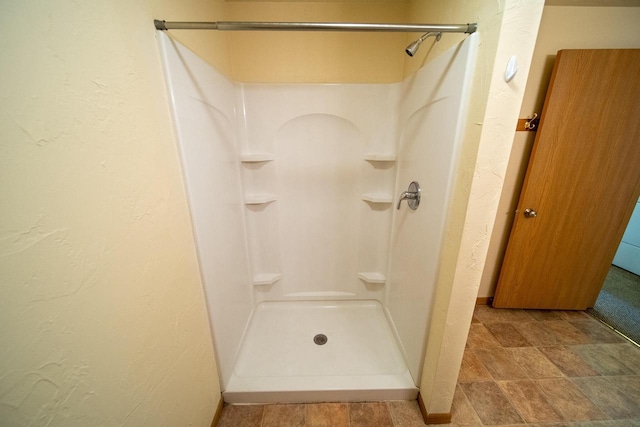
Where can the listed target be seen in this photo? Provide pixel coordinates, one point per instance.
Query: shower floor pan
(283, 358)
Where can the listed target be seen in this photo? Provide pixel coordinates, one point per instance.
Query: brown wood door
(582, 181)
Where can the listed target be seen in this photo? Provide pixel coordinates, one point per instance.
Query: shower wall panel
(292, 190)
(204, 116)
(433, 109)
(326, 208)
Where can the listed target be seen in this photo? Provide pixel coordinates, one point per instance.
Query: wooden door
(582, 181)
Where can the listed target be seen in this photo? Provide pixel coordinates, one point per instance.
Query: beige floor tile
(566, 333)
(536, 333)
(627, 353)
(515, 315)
(507, 335)
(472, 368)
(462, 413)
(534, 363)
(608, 423)
(544, 315)
(597, 332)
(629, 385)
(485, 314)
(574, 315)
(405, 413)
(500, 363)
(530, 401)
(284, 416)
(562, 424)
(480, 337)
(603, 358)
(569, 400)
(241, 416)
(327, 415)
(490, 404)
(369, 414)
(604, 393)
(571, 364)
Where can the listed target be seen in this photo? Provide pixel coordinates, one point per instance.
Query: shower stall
(319, 282)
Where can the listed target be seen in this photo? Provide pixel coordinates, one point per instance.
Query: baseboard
(218, 414)
(484, 301)
(432, 418)
(438, 419)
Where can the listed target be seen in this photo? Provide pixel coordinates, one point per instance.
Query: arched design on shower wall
(318, 180)
(318, 135)
(296, 217)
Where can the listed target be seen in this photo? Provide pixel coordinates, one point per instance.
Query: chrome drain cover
(320, 339)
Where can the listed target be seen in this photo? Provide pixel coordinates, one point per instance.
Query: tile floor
(368, 414)
(541, 368)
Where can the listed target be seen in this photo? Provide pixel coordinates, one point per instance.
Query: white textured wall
(102, 316)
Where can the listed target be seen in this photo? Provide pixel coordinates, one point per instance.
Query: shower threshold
(313, 351)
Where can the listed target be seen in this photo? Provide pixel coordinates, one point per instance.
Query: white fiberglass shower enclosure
(318, 288)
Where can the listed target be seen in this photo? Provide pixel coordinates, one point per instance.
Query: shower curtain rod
(314, 26)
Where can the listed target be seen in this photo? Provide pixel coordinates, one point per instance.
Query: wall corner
(471, 222)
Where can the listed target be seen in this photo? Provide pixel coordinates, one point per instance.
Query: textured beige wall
(562, 27)
(102, 317)
(317, 57)
(505, 28)
(489, 18)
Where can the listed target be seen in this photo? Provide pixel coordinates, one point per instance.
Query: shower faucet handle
(412, 196)
(406, 196)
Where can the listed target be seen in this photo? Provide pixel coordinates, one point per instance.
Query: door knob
(530, 213)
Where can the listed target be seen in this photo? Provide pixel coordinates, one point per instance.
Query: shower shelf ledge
(372, 277)
(266, 278)
(379, 157)
(257, 157)
(259, 199)
(377, 198)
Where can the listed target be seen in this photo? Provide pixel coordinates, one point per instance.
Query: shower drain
(320, 339)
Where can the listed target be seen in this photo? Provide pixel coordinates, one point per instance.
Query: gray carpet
(618, 304)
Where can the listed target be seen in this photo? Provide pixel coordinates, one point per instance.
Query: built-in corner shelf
(377, 198)
(259, 199)
(256, 157)
(380, 157)
(372, 277)
(266, 279)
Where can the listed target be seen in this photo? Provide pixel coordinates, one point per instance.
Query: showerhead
(413, 46)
